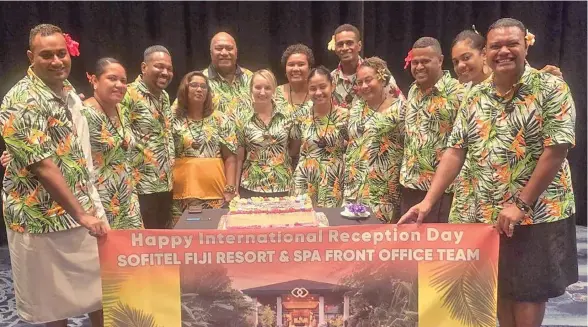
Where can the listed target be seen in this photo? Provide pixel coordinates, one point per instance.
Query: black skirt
(538, 262)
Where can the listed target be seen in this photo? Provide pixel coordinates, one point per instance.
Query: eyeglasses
(195, 85)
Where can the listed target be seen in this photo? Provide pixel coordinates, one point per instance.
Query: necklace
(124, 143)
(322, 142)
(361, 128)
(292, 99)
(266, 128)
(195, 139)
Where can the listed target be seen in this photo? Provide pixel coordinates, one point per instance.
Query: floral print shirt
(320, 171)
(504, 138)
(374, 154)
(228, 95)
(267, 167)
(209, 133)
(429, 119)
(37, 124)
(345, 92)
(150, 120)
(115, 180)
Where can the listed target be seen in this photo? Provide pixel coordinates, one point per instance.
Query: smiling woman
(111, 139)
(298, 60)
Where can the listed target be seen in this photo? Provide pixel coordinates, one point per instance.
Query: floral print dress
(115, 180)
(373, 158)
(320, 171)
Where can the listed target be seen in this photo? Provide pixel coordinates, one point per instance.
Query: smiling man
(432, 104)
(48, 193)
(513, 134)
(147, 104)
(229, 81)
(347, 48)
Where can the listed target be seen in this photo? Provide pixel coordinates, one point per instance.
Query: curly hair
(182, 96)
(298, 49)
(378, 65)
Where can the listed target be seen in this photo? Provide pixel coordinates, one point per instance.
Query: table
(333, 215)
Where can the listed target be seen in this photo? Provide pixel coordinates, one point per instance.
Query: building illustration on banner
(302, 302)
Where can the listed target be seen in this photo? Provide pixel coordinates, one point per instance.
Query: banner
(373, 275)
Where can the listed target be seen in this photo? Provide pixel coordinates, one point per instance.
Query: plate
(348, 214)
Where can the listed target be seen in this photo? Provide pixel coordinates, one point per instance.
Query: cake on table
(272, 212)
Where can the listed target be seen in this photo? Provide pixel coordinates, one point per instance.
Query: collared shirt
(373, 157)
(280, 98)
(115, 181)
(429, 118)
(345, 92)
(227, 95)
(503, 148)
(267, 167)
(209, 134)
(38, 124)
(150, 119)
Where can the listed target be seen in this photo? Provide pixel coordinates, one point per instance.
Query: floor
(567, 310)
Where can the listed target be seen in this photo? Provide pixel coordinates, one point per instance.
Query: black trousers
(156, 210)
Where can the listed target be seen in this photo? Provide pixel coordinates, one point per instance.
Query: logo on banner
(299, 292)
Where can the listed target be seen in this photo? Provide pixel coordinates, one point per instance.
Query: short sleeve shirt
(209, 134)
(267, 167)
(36, 124)
(429, 119)
(504, 137)
(150, 120)
(345, 92)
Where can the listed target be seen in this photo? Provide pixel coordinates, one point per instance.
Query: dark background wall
(264, 29)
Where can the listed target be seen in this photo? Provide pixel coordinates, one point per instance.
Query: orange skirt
(199, 178)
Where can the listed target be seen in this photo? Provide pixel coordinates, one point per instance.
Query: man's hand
(416, 214)
(508, 217)
(553, 70)
(5, 159)
(97, 227)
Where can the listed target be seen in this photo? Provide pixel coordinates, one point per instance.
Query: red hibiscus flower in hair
(408, 59)
(73, 47)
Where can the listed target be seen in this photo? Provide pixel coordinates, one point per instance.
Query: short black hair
(348, 28)
(321, 70)
(507, 22)
(295, 49)
(102, 63)
(44, 30)
(153, 49)
(427, 41)
(477, 41)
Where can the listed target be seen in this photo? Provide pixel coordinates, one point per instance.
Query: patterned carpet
(565, 311)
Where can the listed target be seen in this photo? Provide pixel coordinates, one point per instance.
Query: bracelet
(231, 189)
(522, 205)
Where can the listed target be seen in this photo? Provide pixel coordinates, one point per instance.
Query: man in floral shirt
(433, 102)
(148, 107)
(346, 43)
(48, 192)
(513, 132)
(229, 82)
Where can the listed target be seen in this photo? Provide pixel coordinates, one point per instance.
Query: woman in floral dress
(297, 60)
(267, 140)
(205, 151)
(322, 128)
(374, 154)
(110, 140)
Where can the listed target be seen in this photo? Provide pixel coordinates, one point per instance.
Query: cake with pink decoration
(270, 212)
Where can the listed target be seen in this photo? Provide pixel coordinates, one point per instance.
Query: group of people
(488, 147)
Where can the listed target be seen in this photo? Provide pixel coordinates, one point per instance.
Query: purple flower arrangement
(356, 208)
